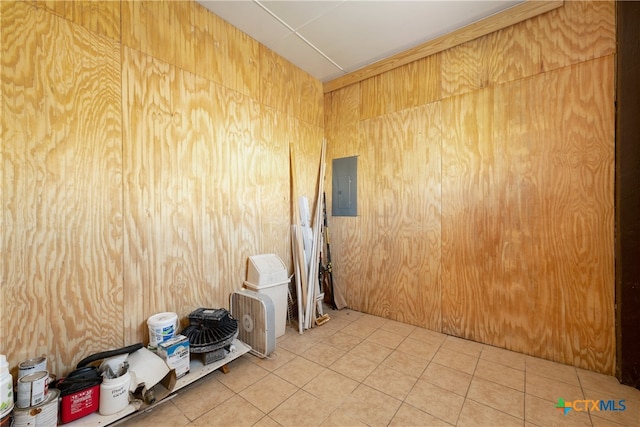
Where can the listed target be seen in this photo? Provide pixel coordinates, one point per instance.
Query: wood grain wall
(62, 288)
(145, 154)
(486, 192)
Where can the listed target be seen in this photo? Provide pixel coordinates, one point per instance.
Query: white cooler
(267, 274)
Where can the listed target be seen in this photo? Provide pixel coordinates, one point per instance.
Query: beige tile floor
(359, 369)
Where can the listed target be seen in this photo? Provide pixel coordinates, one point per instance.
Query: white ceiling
(329, 39)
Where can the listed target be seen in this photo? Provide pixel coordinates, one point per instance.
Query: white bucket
(114, 394)
(162, 326)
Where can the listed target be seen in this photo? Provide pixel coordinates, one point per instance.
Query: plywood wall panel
(61, 172)
(202, 41)
(17, 168)
(399, 207)
(306, 141)
(197, 215)
(241, 125)
(242, 72)
(277, 83)
(220, 48)
(187, 232)
(536, 212)
(411, 85)
(97, 16)
(148, 26)
(146, 112)
(526, 115)
(185, 36)
(162, 31)
(272, 176)
(468, 171)
(574, 33)
(131, 33)
(464, 67)
(342, 120)
(581, 31)
(310, 104)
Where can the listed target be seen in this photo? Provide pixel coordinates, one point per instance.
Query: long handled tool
(322, 317)
(296, 246)
(328, 269)
(314, 287)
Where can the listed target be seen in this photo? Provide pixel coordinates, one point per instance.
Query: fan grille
(210, 329)
(252, 311)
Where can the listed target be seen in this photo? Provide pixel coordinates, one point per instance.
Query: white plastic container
(6, 387)
(266, 269)
(267, 274)
(162, 326)
(114, 394)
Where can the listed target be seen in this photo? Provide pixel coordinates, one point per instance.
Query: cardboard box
(175, 352)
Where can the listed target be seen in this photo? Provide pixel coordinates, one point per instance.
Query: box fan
(255, 314)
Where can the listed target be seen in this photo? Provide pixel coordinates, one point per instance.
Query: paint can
(42, 415)
(29, 366)
(32, 389)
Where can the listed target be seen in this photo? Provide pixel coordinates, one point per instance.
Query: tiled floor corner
(363, 370)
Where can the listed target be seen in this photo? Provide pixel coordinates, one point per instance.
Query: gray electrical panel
(345, 187)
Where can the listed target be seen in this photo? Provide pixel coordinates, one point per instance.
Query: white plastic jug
(114, 394)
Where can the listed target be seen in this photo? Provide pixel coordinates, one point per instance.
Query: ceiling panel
(331, 38)
(299, 13)
(298, 52)
(250, 18)
(359, 33)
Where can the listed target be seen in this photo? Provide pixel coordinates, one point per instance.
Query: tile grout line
(378, 365)
(584, 394)
(473, 374)
(418, 379)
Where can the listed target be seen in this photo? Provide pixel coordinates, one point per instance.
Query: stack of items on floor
(307, 248)
(32, 394)
(42, 400)
(134, 374)
(142, 375)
